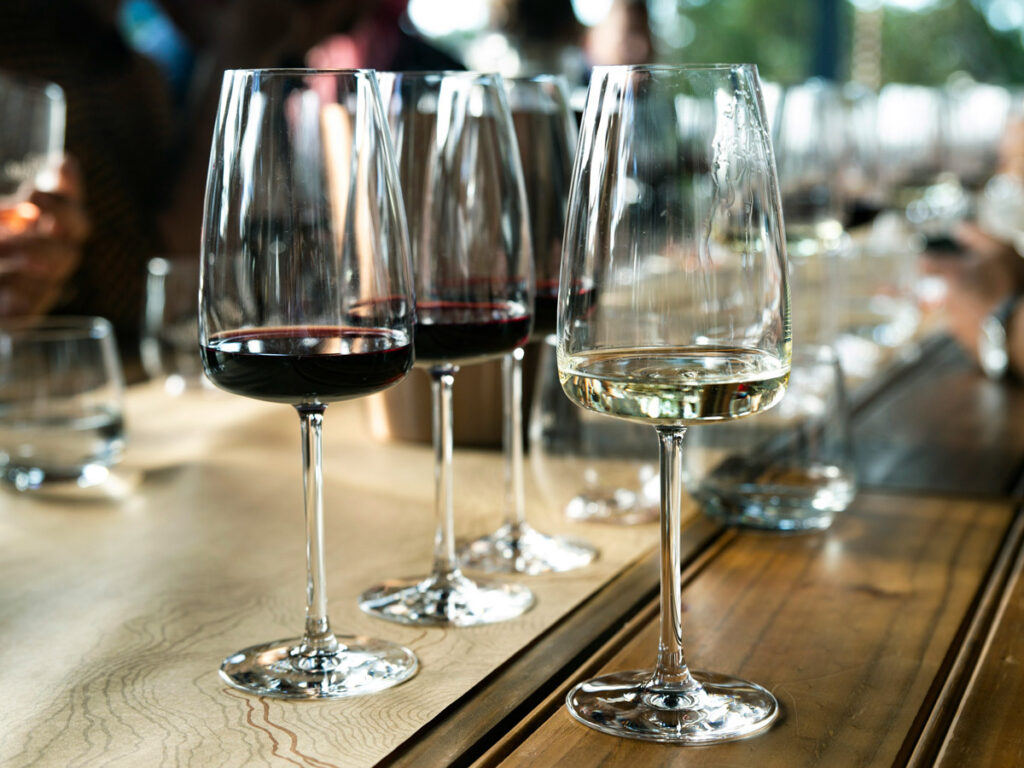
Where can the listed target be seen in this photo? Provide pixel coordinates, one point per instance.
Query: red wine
(300, 364)
(467, 331)
(545, 307)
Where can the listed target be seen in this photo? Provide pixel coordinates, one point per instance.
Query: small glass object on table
(61, 416)
(791, 469)
(674, 219)
(467, 215)
(306, 299)
(546, 138)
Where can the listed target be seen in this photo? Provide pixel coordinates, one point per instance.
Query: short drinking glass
(792, 469)
(61, 385)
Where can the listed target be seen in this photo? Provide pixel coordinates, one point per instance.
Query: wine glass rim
(711, 67)
(298, 71)
(57, 327)
(543, 77)
(462, 74)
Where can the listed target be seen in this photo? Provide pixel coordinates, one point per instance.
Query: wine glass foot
(448, 601)
(523, 549)
(283, 670)
(627, 704)
(619, 507)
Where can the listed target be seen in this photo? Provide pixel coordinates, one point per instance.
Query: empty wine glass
(306, 299)
(167, 346)
(807, 135)
(546, 137)
(467, 214)
(675, 224)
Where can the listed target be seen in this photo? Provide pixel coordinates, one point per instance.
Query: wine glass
(674, 220)
(466, 207)
(32, 118)
(306, 299)
(546, 137)
(807, 136)
(167, 345)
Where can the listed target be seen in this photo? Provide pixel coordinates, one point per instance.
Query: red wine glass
(306, 299)
(466, 206)
(546, 137)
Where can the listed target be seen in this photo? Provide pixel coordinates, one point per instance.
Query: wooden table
(891, 639)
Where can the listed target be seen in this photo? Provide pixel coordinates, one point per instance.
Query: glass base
(89, 482)
(453, 600)
(626, 704)
(620, 507)
(281, 670)
(523, 549)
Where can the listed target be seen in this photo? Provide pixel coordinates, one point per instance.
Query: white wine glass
(466, 207)
(305, 298)
(546, 137)
(675, 226)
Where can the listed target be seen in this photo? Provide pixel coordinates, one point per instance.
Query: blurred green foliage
(779, 36)
(927, 47)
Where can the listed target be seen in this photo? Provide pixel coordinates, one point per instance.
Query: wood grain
(115, 614)
(850, 629)
(987, 728)
(942, 427)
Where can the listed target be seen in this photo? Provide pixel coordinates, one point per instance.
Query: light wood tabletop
(891, 639)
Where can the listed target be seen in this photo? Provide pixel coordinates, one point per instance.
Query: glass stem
(445, 564)
(671, 670)
(318, 638)
(512, 439)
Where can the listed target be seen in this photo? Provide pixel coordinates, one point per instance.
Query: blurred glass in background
(32, 117)
(169, 343)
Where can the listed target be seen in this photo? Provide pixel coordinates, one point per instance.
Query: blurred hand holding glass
(61, 386)
(306, 299)
(674, 310)
(32, 115)
(791, 469)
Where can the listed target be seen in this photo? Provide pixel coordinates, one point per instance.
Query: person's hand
(978, 279)
(40, 253)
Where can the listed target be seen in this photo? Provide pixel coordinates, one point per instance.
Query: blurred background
(872, 42)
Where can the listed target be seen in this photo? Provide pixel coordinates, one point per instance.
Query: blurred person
(623, 36)
(249, 34)
(984, 278)
(40, 251)
(981, 308)
(531, 37)
(86, 252)
(143, 157)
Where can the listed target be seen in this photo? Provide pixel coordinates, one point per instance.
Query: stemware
(674, 221)
(32, 118)
(306, 299)
(467, 215)
(546, 138)
(807, 137)
(167, 346)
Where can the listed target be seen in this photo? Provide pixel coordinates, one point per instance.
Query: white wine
(675, 385)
